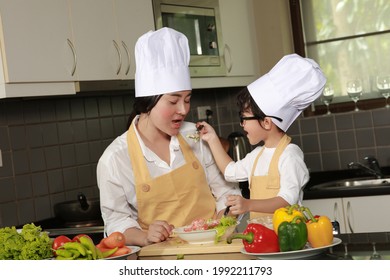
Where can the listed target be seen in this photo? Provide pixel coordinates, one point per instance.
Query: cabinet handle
(349, 216)
(228, 50)
(128, 57)
(119, 56)
(335, 211)
(74, 56)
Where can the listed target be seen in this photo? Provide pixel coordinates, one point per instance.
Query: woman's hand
(158, 231)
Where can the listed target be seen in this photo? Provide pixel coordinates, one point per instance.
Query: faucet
(371, 166)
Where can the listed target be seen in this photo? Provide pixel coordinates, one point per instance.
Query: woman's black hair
(143, 105)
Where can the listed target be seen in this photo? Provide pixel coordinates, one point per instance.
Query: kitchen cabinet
(134, 18)
(104, 35)
(94, 40)
(240, 52)
(359, 214)
(48, 46)
(238, 31)
(331, 207)
(34, 46)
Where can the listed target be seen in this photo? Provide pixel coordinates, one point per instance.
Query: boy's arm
(222, 159)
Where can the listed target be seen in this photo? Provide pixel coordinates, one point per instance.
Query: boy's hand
(207, 132)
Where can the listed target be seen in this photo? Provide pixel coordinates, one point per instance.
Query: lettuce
(225, 223)
(31, 243)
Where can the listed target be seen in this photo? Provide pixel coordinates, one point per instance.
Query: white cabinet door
(95, 40)
(133, 18)
(34, 45)
(330, 207)
(367, 214)
(237, 22)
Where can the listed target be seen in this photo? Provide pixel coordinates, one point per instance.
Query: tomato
(77, 237)
(101, 244)
(115, 239)
(59, 241)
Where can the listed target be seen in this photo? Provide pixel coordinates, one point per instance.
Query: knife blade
(226, 210)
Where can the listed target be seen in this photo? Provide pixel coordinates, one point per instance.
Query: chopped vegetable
(31, 243)
(224, 223)
(220, 225)
(195, 136)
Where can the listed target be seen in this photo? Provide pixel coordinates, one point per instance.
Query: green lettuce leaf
(31, 243)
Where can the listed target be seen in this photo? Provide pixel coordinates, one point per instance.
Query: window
(350, 39)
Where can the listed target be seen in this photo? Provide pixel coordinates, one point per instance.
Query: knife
(226, 210)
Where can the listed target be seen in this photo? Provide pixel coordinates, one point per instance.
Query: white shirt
(292, 169)
(115, 178)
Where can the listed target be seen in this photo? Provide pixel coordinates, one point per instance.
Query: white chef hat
(290, 87)
(162, 59)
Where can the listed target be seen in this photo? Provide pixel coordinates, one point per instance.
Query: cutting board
(175, 248)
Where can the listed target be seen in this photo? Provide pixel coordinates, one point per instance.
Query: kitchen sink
(352, 184)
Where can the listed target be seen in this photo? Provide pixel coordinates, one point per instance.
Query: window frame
(299, 48)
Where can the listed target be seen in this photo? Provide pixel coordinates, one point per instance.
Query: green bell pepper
(292, 235)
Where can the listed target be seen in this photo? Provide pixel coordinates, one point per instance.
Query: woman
(153, 177)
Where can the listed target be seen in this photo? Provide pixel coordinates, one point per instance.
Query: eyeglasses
(244, 119)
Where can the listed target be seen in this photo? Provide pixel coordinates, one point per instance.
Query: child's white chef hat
(162, 58)
(290, 87)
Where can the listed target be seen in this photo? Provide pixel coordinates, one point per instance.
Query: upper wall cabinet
(134, 18)
(34, 41)
(238, 30)
(240, 51)
(105, 33)
(47, 45)
(94, 40)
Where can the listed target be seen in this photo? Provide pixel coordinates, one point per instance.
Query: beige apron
(268, 186)
(178, 197)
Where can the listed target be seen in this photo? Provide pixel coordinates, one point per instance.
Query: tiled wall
(330, 142)
(50, 146)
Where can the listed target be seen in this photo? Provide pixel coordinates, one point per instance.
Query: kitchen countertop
(359, 247)
(329, 176)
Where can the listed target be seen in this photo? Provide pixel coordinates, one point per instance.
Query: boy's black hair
(245, 103)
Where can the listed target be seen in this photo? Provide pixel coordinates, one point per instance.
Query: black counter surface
(358, 246)
(328, 176)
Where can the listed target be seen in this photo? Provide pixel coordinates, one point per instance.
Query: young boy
(276, 171)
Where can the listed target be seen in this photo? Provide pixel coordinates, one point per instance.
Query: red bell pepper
(257, 239)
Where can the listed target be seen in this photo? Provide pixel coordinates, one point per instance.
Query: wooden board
(175, 248)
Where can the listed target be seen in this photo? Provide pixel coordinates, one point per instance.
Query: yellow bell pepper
(319, 230)
(286, 214)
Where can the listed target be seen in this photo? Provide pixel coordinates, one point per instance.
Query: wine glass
(354, 90)
(347, 256)
(327, 97)
(375, 255)
(383, 85)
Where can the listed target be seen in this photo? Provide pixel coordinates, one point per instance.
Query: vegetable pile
(81, 247)
(295, 227)
(31, 243)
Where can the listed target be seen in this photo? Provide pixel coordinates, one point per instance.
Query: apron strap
(135, 153)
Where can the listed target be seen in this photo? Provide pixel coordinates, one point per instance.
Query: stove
(56, 227)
